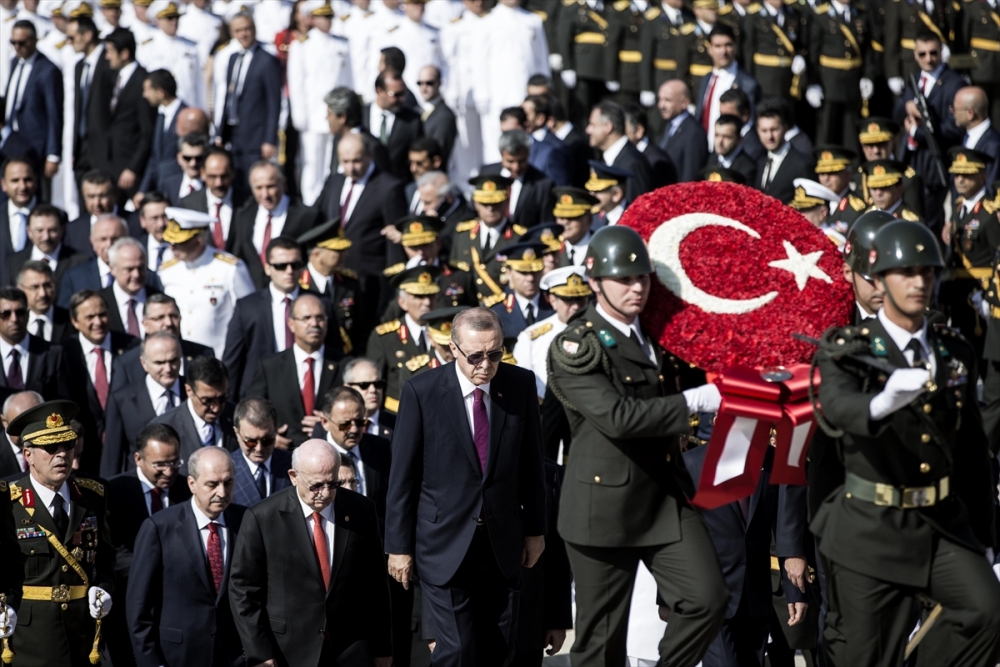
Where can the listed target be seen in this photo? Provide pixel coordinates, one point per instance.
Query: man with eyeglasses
(190, 156)
(362, 375)
(30, 363)
(261, 468)
(68, 556)
(469, 526)
(286, 547)
(439, 119)
(45, 319)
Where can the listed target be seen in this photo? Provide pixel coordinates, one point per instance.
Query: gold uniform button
(958, 404)
(864, 332)
(597, 479)
(65, 568)
(925, 468)
(849, 495)
(31, 553)
(925, 438)
(64, 606)
(399, 365)
(668, 458)
(628, 378)
(927, 408)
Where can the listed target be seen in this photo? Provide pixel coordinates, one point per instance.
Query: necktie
(59, 515)
(322, 551)
(15, 379)
(487, 241)
(155, 500)
(267, 239)
(262, 481)
(480, 427)
(767, 172)
(353, 454)
(115, 93)
(132, 326)
(40, 328)
(529, 316)
(12, 94)
(168, 401)
(215, 556)
(162, 248)
(217, 238)
(965, 140)
(289, 338)
(383, 134)
(100, 377)
(84, 97)
(20, 237)
(235, 65)
(570, 253)
(108, 279)
(208, 435)
(421, 343)
(309, 388)
(923, 84)
(706, 109)
(347, 203)
(918, 354)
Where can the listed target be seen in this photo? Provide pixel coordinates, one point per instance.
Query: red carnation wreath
(737, 273)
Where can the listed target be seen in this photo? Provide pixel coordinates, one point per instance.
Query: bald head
(314, 473)
(191, 120)
(15, 405)
(971, 106)
(353, 155)
(674, 98)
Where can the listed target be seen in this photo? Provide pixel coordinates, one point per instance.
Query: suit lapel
(340, 537)
(328, 370)
(451, 391)
(498, 416)
(301, 541)
(230, 548)
(196, 548)
(35, 361)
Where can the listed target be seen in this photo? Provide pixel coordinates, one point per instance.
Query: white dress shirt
(632, 329)
(124, 74)
(189, 185)
(515, 190)
(416, 331)
(46, 319)
(971, 202)
(202, 520)
(88, 353)
(328, 526)
(158, 395)
(153, 249)
(278, 217)
(676, 121)
(359, 463)
(169, 111)
(358, 188)
(300, 366)
(104, 271)
(579, 250)
(202, 427)
(18, 221)
(491, 233)
(244, 66)
(974, 134)
(253, 471)
(225, 211)
(375, 113)
(278, 313)
(18, 76)
(122, 298)
(51, 259)
(901, 337)
(723, 82)
(47, 495)
(775, 158)
(522, 304)
(612, 153)
(467, 388)
(373, 425)
(147, 489)
(564, 131)
(318, 281)
(22, 348)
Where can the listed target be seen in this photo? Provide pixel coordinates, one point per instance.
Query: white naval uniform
(533, 353)
(201, 27)
(43, 26)
(460, 43)
(356, 26)
(420, 43)
(316, 65)
(379, 24)
(57, 48)
(7, 19)
(206, 291)
(180, 57)
(441, 13)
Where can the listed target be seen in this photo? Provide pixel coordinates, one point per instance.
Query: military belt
(908, 44)
(630, 56)
(665, 63)
(60, 593)
(845, 64)
(886, 495)
(765, 60)
(984, 44)
(590, 38)
(700, 70)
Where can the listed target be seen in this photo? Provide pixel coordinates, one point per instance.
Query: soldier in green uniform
(877, 138)
(664, 49)
(884, 179)
(624, 497)
(326, 274)
(978, 35)
(62, 528)
(706, 14)
(902, 23)
(627, 22)
(437, 327)
(475, 240)
(833, 169)
(915, 513)
(974, 236)
(587, 61)
(774, 48)
(394, 343)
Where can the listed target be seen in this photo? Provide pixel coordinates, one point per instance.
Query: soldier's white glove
(555, 61)
(904, 385)
(705, 398)
(798, 65)
(980, 304)
(569, 78)
(613, 86)
(896, 85)
(98, 610)
(867, 88)
(11, 621)
(814, 96)
(647, 98)
(945, 53)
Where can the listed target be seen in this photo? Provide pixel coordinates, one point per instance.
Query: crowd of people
(320, 338)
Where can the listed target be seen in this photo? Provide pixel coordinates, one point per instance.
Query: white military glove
(980, 304)
(904, 385)
(798, 65)
(647, 98)
(706, 398)
(555, 61)
(896, 85)
(8, 630)
(569, 78)
(613, 86)
(867, 88)
(814, 96)
(945, 54)
(99, 610)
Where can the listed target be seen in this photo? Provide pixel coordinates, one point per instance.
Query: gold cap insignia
(489, 186)
(416, 227)
(715, 177)
(826, 155)
(54, 421)
(528, 255)
(425, 279)
(566, 199)
(878, 171)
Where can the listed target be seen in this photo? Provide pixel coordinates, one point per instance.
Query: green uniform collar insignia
(607, 339)
(878, 347)
(942, 349)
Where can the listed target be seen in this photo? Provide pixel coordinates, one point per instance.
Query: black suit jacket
(431, 510)
(127, 511)
(181, 420)
(61, 326)
(534, 204)
(440, 126)
(129, 411)
(245, 487)
(406, 128)
(6, 243)
(175, 615)
(741, 163)
(96, 116)
(163, 154)
(664, 171)
(298, 220)
(114, 317)
(10, 468)
(744, 81)
(130, 133)
(688, 148)
(44, 372)
(258, 105)
(781, 185)
(84, 274)
(277, 380)
(641, 180)
(989, 143)
(579, 146)
(132, 370)
(170, 185)
(376, 457)
(39, 113)
(380, 155)
(67, 257)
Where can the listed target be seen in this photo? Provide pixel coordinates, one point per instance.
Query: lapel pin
(329, 367)
(346, 518)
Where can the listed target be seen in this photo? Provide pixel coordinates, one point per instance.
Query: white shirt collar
(781, 152)
(625, 329)
(277, 296)
(202, 519)
(88, 347)
(156, 389)
(170, 111)
(976, 133)
(971, 201)
(326, 513)
(279, 210)
(614, 150)
(466, 386)
(144, 481)
(122, 297)
(901, 337)
(301, 356)
(414, 327)
(253, 466)
(729, 69)
(564, 131)
(199, 423)
(45, 494)
(125, 73)
(523, 302)
(6, 347)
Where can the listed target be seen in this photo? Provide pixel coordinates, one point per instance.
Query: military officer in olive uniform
(884, 179)
(833, 170)
(62, 529)
(437, 328)
(394, 343)
(664, 50)
(627, 22)
(624, 497)
(877, 138)
(902, 23)
(326, 274)
(915, 513)
(699, 61)
(12, 573)
(524, 304)
(974, 237)
(421, 240)
(978, 35)
(774, 49)
(588, 63)
(476, 240)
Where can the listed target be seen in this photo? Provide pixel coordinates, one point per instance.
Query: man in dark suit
(205, 419)
(684, 140)
(363, 217)
(34, 104)
(217, 198)
(269, 214)
(782, 163)
(98, 195)
(12, 463)
(248, 116)
(607, 134)
(45, 320)
(176, 618)
(46, 231)
(95, 273)
(293, 379)
(574, 138)
(190, 153)
(93, 83)
(160, 90)
(726, 75)
(425, 157)
(548, 154)
(971, 109)
(394, 124)
(312, 551)
(135, 405)
(637, 131)
(438, 119)
(127, 295)
(20, 186)
(345, 118)
(532, 201)
(29, 363)
(729, 153)
(261, 469)
(468, 527)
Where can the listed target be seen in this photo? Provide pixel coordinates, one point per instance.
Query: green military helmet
(859, 240)
(903, 244)
(617, 252)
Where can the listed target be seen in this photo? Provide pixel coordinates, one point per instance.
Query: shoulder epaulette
(344, 17)
(570, 3)
(388, 327)
(856, 203)
(348, 273)
(992, 205)
(493, 299)
(465, 226)
(145, 42)
(61, 44)
(754, 8)
(92, 485)
(823, 8)
(540, 330)
(726, 10)
(520, 230)
(15, 492)
(393, 29)
(621, 5)
(394, 269)
(170, 262)
(910, 172)
(540, 14)
(907, 214)
(226, 257)
(221, 46)
(957, 7)
(461, 266)
(418, 362)
(687, 28)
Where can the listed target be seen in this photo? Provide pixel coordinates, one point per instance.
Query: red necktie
(345, 205)
(101, 378)
(215, 555)
(289, 338)
(267, 239)
(217, 239)
(322, 552)
(706, 108)
(132, 326)
(309, 388)
(481, 427)
(155, 500)
(923, 85)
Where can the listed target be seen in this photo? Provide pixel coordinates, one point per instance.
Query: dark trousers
(402, 622)
(836, 124)
(740, 642)
(869, 620)
(688, 578)
(991, 399)
(584, 97)
(473, 618)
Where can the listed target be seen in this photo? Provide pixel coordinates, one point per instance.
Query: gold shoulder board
(520, 230)
(226, 257)
(621, 5)
(217, 49)
(823, 9)
(910, 172)
(856, 203)
(418, 362)
(493, 299)
(465, 226)
(90, 484)
(394, 269)
(348, 273)
(687, 28)
(538, 331)
(461, 266)
(387, 327)
(15, 492)
(652, 13)
(907, 214)
(753, 8)
(170, 262)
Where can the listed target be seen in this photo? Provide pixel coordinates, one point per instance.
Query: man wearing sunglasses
(262, 470)
(29, 363)
(64, 536)
(361, 374)
(190, 156)
(473, 518)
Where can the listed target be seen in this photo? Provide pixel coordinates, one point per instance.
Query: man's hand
(796, 612)
(909, 123)
(946, 234)
(867, 88)
(309, 422)
(267, 663)
(51, 169)
(11, 618)
(98, 609)
(568, 77)
(533, 548)
(268, 151)
(392, 234)
(137, 200)
(554, 640)
(896, 85)
(814, 96)
(383, 662)
(797, 570)
(912, 110)
(647, 98)
(401, 568)
(282, 441)
(126, 180)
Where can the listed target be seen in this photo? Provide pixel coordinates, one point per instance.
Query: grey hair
(256, 411)
(194, 462)
(514, 141)
(121, 243)
(297, 457)
(343, 101)
(348, 371)
(160, 335)
(10, 399)
(475, 319)
(111, 216)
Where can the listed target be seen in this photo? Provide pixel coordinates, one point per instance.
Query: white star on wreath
(803, 267)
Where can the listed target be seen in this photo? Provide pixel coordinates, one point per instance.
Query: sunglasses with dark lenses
(19, 42)
(57, 447)
(363, 386)
(192, 158)
(476, 358)
(360, 423)
(17, 312)
(426, 83)
(284, 266)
